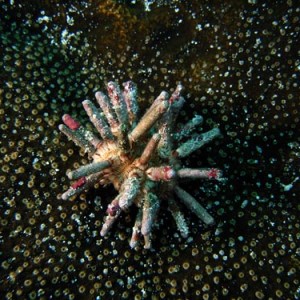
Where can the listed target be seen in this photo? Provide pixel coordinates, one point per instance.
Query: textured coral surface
(239, 64)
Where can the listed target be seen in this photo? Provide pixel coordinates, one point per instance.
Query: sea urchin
(140, 157)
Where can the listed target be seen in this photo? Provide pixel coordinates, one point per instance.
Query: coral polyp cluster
(140, 157)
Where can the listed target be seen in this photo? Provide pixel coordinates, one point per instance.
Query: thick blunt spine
(197, 142)
(205, 173)
(150, 209)
(129, 191)
(80, 185)
(136, 230)
(114, 212)
(149, 149)
(130, 97)
(164, 173)
(118, 103)
(178, 218)
(192, 204)
(97, 119)
(88, 169)
(149, 119)
(106, 107)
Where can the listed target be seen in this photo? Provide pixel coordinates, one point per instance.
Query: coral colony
(140, 157)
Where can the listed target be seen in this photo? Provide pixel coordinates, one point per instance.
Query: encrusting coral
(140, 157)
